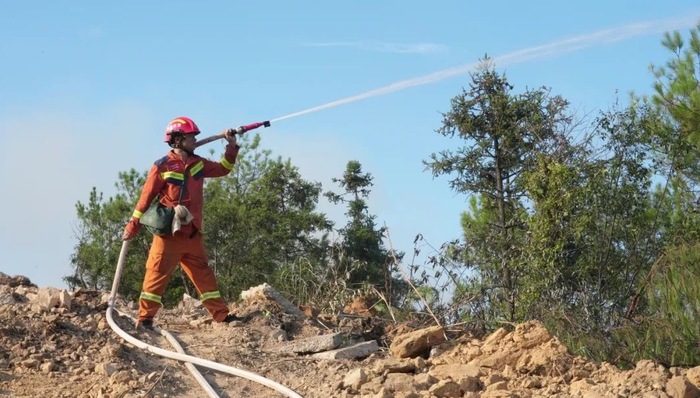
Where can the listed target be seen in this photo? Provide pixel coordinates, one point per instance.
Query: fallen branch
(145, 394)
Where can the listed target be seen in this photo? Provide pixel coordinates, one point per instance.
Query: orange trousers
(165, 254)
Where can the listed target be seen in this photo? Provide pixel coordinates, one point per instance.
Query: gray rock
(360, 350)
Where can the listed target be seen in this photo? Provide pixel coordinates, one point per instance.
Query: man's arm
(224, 166)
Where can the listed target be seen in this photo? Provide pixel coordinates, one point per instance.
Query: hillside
(59, 344)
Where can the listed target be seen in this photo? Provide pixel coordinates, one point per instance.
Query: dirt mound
(58, 344)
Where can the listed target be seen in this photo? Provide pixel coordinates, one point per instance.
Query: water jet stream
(552, 49)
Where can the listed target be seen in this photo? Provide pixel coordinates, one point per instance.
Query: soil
(59, 344)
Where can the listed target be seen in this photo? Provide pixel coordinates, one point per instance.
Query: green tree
(592, 232)
(98, 235)
(501, 133)
(361, 253)
(261, 218)
(677, 86)
(663, 318)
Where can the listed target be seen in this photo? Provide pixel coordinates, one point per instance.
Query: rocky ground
(59, 344)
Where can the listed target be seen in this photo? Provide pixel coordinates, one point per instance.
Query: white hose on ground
(179, 356)
(173, 342)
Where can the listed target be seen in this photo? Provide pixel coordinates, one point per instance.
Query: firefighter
(180, 169)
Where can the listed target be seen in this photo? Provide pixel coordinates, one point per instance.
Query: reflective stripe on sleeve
(197, 169)
(137, 214)
(227, 165)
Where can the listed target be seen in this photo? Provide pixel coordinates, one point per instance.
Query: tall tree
(361, 253)
(501, 133)
(677, 88)
(664, 314)
(591, 231)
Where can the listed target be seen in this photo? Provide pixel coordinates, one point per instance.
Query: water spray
(548, 50)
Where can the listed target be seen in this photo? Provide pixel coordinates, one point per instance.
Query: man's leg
(195, 263)
(163, 257)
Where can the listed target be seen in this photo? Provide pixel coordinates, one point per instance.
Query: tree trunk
(501, 201)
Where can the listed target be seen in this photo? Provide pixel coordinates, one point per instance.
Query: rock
(581, 386)
(360, 350)
(493, 378)
(693, 376)
(48, 367)
(392, 365)
(66, 353)
(48, 297)
(314, 344)
(417, 343)
(189, 304)
(595, 394)
(6, 295)
(236, 324)
(65, 299)
(37, 309)
(121, 377)
(373, 386)
(399, 382)
(266, 291)
(491, 342)
(498, 386)
(105, 369)
(423, 381)
(445, 389)
(279, 335)
(680, 387)
(384, 393)
(469, 384)
(455, 371)
(14, 281)
(355, 378)
(30, 363)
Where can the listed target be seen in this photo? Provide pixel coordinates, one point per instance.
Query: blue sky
(88, 87)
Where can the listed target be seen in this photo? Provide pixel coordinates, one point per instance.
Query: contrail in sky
(559, 47)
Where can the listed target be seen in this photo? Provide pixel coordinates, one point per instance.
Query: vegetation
(589, 225)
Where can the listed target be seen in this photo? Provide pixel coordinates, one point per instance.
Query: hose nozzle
(242, 129)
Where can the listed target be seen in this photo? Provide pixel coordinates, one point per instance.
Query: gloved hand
(230, 135)
(132, 228)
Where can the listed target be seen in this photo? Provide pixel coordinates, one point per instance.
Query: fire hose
(180, 354)
(238, 130)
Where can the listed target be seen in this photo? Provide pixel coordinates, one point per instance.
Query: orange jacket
(166, 176)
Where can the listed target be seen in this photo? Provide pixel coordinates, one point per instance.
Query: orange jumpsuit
(165, 180)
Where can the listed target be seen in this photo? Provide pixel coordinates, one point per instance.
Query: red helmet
(180, 125)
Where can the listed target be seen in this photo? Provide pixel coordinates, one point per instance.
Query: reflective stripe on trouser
(150, 297)
(165, 254)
